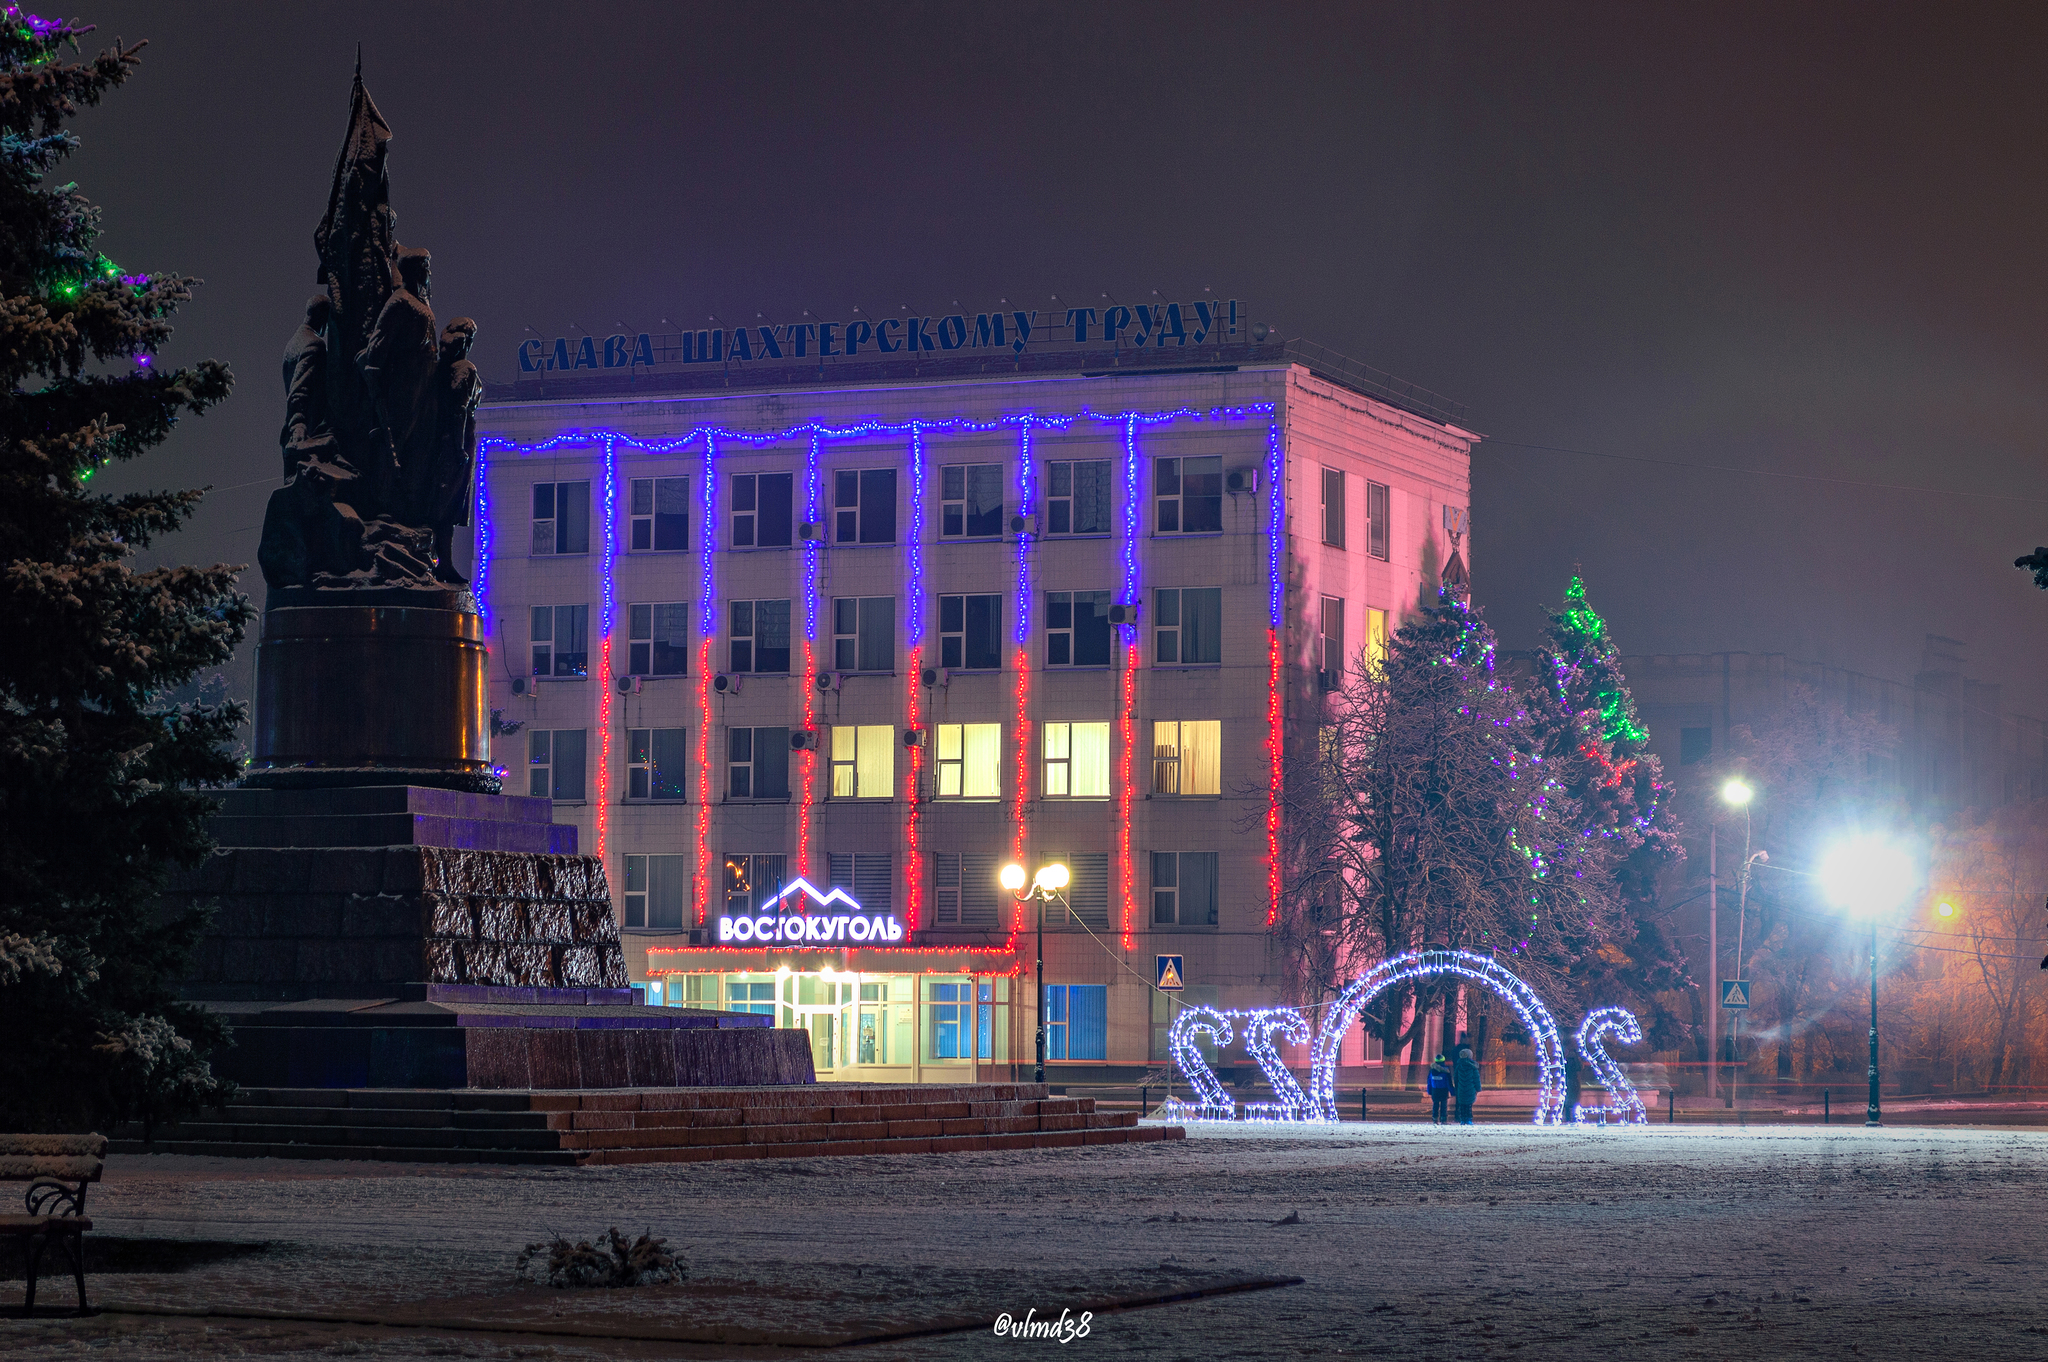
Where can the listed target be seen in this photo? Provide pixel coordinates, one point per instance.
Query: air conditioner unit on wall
(629, 685)
(1239, 481)
(803, 740)
(1123, 614)
(726, 684)
(913, 737)
(829, 680)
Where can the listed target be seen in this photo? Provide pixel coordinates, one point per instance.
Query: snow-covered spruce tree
(101, 783)
(1594, 742)
(1429, 817)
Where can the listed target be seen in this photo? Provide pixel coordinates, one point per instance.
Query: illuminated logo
(815, 924)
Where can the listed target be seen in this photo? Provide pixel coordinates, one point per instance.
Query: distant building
(1959, 749)
(884, 627)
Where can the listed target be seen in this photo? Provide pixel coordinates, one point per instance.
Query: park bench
(56, 1169)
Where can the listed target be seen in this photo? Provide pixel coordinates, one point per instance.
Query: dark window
(1333, 507)
(966, 888)
(1376, 514)
(1330, 638)
(757, 763)
(1078, 498)
(561, 642)
(1184, 888)
(1087, 890)
(655, 763)
(752, 880)
(1190, 495)
(1077, 630)
(1694, 745)
(870, 876)
(554, 760)
(1187, 626)
(658, 639)
(760, 636)
(970, 500)
(561, 517)
(970, 632)
(657, 890)
(761, 510)
(864, 633)
(864, 506)
(660, 515)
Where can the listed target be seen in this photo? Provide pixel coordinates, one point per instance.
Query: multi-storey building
(808, 662)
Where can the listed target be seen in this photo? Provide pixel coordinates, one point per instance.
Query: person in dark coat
(1465, 1083)
(1439, 1086)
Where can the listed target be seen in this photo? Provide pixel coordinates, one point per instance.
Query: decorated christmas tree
(1597, 746)
(101, 779)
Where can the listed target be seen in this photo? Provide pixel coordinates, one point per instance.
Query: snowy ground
(1489, 1241)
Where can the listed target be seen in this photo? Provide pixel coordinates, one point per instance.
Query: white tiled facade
(1252, 420)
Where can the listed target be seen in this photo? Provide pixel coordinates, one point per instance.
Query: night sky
(1804, 239)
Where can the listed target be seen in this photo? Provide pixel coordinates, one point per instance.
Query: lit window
(761, 510)
(1077, 761)
(759, 636)
(554, 763)
(1187, 757)
(970, 632)
(1190, 494)
(654, 763)
(561, 642)
(1187, 626)
(970, 500)
(561, 517)
(864, 634)
(955, 1032)
(864, 506)
(1077, 628)
(751, 997)
(864, 761)
(1376, 515)
(1184, 888)
(657, 890)
(752, 880)
(757, 763)
(1375, 640)
(1333, 507)
(658, 639)
(970, 761)
(1076, 1021)
(660, 515)
(1078, 499)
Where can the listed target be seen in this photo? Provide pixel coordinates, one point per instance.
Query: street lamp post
(1045, 887)
(1737, 793)
(1869, 877)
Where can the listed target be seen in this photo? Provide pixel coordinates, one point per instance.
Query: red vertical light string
(913, 868)
(1275, 734)
(1127, 742)
(807, 762)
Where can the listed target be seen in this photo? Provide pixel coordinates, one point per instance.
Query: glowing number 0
(1623, 1106)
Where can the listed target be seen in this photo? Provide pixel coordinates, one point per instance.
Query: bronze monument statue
(371, 669)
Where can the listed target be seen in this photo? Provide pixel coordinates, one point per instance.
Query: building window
(561, 641)
(1190, 493)
(970, 761)
(654, 763)
(660, 515)
(1184, 888)
(1076, 1021)
(863, 761)
(1187, 626)
(960, 1028)
(964, 889)
(757, 763)
(1077, 628)
(870, 876)
(554, 761)
(1078, 498)
(1695, 745)
(1375, 640)
(1187, 757)
(658, 639)
(970, 633)
(760, 636)
(864, 633)
(752, 880)
(1376, 516)
(751, 997)
(761, 510)
(1087, 889)
(1333, 507)
(561, 517)
(1330, 641)
(657, 887)
(1077, 761)
(864, 506)
(970, 500)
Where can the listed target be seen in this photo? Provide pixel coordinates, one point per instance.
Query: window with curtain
(1187, 757)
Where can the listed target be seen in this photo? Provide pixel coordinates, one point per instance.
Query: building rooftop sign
(1143, 326)
(814, 919)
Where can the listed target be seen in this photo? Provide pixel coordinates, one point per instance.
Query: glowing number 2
(1212, 1103)
(1289, 1102)
(1623, 1105)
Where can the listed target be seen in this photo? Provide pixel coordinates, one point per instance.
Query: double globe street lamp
(1046, 886)
(1868, 877)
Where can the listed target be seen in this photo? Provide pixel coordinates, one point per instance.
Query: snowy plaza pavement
(1489, 1241)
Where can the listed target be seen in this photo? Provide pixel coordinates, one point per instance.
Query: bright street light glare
(1946, 910)
(1736, 792)
(1053, 876)
(1013, 877)
(1867, 875)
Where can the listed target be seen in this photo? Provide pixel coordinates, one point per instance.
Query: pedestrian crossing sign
(1735, 995)
(1169, 974)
